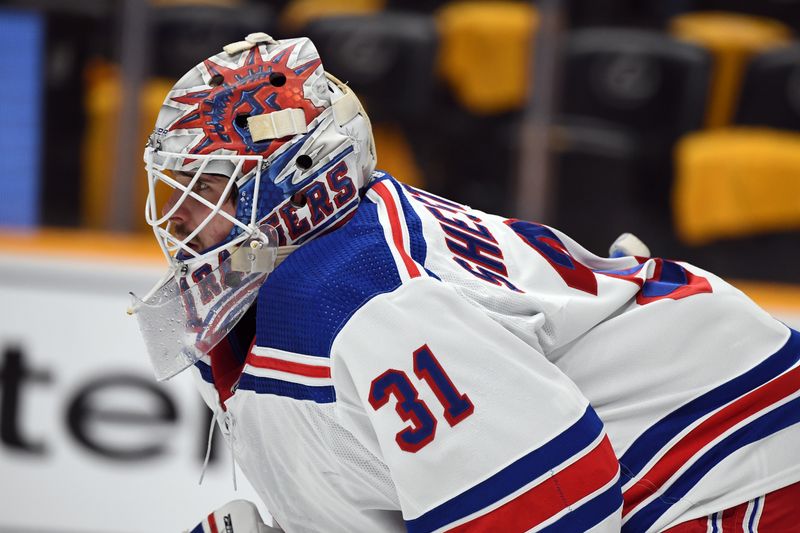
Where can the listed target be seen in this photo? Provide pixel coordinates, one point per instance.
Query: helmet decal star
(240, 92)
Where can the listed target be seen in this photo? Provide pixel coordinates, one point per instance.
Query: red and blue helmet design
(292, 139)
(294, 149)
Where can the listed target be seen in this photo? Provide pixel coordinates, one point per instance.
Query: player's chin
(195, 245)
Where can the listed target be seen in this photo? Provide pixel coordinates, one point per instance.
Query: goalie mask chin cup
(188, 313)
(296, 149)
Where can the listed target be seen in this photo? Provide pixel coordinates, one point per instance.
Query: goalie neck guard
(290, 147)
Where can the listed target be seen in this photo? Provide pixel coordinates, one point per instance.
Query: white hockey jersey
(416, 369)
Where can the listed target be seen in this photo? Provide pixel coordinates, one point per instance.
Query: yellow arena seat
(298, 13)
(732, 39)
(735, 183)
(103, 100)
(486, 51)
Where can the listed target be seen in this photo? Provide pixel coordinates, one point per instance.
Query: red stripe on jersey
(779, 513)
(301, 369)
(553, 495)
(710, 429)
(733, 516)
(212, 523)
(780, 510)
(704, 524)
(394, 224)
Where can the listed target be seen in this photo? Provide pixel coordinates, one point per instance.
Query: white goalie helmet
(286, 149)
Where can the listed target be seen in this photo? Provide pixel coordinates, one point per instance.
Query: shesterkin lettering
(474, 246)
(474, 249)
(485, 275)
(438, 201)
(476, 229)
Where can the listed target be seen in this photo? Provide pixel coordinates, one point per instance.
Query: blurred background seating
(388, 58)
(770, 94)
(736, 182)
(299, 13)
(786, 11)
(485, 53)
(639, 89)
(732, 39)
(469, 147)
(181, 37)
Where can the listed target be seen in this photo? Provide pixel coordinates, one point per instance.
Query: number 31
(411, 408)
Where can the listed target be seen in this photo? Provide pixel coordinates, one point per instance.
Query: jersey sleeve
(479, 431)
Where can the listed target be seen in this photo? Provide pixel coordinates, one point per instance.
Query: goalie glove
(238, 516)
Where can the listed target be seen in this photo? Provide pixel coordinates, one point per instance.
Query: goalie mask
(255, 151)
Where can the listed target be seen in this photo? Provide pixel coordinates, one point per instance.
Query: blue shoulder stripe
(515, 476)
(306, 301)
(262, 385)
(309, 298)
(590, 513)
(662, 432)
(764, 426)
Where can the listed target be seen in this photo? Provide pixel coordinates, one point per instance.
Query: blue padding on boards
(21, 49)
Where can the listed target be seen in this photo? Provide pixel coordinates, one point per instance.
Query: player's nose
(175, 214)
